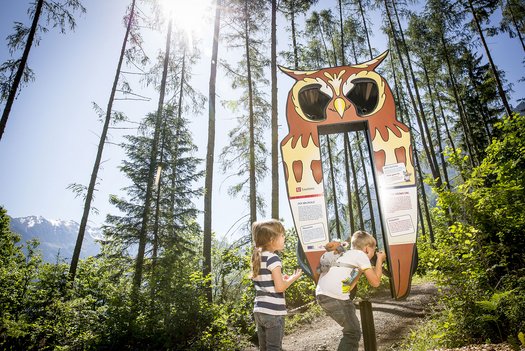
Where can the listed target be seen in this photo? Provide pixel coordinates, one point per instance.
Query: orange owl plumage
(336, 96)
(341, 95)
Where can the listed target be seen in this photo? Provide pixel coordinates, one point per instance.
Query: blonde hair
(362, 239)
(264, 234)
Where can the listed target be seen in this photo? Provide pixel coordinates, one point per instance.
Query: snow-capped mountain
(56, 236)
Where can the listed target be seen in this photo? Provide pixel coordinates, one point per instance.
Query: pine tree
(291, 8)
(15, 72)
(210, 152)
(247, 151)
(131, 23)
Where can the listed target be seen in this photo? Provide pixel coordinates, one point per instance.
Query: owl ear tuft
(372, 64)
(297, 75)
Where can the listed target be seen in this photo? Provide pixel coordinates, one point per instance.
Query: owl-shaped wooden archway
(340, 99)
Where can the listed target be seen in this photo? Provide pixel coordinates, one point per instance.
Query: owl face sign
(340, 95)
(347, 95)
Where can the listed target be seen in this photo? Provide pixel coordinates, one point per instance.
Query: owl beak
(340, 106)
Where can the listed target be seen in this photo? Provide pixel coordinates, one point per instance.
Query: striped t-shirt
(266, 299)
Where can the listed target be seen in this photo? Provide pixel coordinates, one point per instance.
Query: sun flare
(191, 17)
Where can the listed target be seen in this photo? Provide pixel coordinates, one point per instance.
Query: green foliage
(42, 310)
(477, 256)
(302, 291)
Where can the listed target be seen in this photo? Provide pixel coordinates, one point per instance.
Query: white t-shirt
(335, 282)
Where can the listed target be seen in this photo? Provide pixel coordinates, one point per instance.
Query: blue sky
(52, 132)
(51, 136)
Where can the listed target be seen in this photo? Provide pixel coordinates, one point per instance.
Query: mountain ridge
(57, 237)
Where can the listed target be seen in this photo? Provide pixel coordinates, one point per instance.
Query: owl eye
(364, 95)
(313, 102)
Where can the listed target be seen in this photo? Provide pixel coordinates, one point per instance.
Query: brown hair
(362, 239)
(263, 234)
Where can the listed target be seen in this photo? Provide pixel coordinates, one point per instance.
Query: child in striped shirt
(270, 283)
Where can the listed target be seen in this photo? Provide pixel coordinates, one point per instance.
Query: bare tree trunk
(447, 130)
(433, 159)
(436, 125)
(435, 173)
(348, 186)
(253, 189)
(210, 153)
(356, 187)
(445, 123)
(499, 86)
(21, 68)
(93, 180)
(461, 112)
(275, 124)
(143, 234)
(485, 114)
(323, 41)
(363, 18)
(294, 40)
(421, 185)
(336, 207)
(158, 188)
(421, 222)
(342, 33)
(155, 249)
(334, 51)
(367, 186)
(424, 196)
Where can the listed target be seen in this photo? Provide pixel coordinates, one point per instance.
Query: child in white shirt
(333, 288)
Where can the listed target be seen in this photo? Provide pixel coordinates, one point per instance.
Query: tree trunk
(424, 197)
(93, 180)
(253, 189)
(483, 110)
(347, 150)
(445, 123)
(143, 234)
(433, 159)
(356, 187)
(275, 122)
(421, 222)
(436, 125)
(435, 173)
(210, 152)
(21, 68)
(323, 41)
(334, 193)
(420, 179)
(155, 249)
(461, 112)
(367, 186)
(158, 188)
(491, 62)
(363, 18)
(342, 33)
(334, 51)
(294, 40)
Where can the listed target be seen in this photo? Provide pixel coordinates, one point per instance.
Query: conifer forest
(165, 278)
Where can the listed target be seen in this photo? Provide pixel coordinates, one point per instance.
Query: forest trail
(392, 319)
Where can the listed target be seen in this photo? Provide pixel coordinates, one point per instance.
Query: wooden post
(367, 324)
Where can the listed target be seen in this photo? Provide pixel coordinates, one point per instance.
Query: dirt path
(392, 319)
